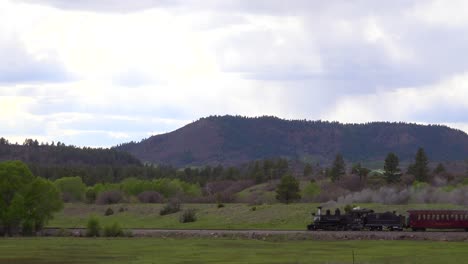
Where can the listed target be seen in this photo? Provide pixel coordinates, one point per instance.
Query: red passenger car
(420, 220)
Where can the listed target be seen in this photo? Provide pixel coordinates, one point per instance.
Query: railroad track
(283, 234)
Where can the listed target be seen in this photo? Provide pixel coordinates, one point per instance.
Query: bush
(72, 188)
(109, 211)
(220, 205)
(113, 230)
(349, 207)
(93, 228)
(311, 191)
(171, 207)
(109, 197)
(188, 216)
(90, 196)
(121, 209)
(27, 228)
(150, 197)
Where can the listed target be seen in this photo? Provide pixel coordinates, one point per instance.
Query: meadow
(209, 216)
(152, 250)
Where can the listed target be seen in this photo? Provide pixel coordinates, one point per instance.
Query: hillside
(32, 152)
(233, 140)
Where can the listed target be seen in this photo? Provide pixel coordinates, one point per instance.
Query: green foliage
(417, 185)
(171, 207)
(109, 211)
(188, 216)
(392, 171)
(338, 168)
(420, 168)
(311, 190)
(361, 171)
(439, 169)
(113, 230)
(72, 188)
(41, 201)
(307, 170)
(349, 207)
(287, 190)
(93, 228)
(25, 201)
(90, 195)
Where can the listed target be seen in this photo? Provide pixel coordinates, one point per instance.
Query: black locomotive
(357, 219)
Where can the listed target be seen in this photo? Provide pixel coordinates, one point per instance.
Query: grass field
(232, 216)
(150, 250)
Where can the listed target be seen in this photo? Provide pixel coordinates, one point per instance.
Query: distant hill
(59, 154)
(231, 140)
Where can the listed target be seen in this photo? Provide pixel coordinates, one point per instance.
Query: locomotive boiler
(356, 219)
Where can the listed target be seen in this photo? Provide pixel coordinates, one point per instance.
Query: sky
(100, 73)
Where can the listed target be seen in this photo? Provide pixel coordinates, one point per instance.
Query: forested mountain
(60, 154)
(58, 160)
(232, 140)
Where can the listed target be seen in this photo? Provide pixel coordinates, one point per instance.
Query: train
(359, 219)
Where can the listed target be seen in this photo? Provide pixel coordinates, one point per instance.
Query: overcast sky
(99, 73)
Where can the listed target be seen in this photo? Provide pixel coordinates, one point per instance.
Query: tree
(392, 172)
(361, 171)
(419, 168)
(439, 169)
(338, 168)
(307, 170)
(288, 189)
(25, 201)
(72, 188)
(41, 200)
(311, 190)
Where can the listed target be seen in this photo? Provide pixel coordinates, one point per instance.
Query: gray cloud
(18, 66)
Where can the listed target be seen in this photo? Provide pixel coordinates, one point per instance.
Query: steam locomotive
(364, 219)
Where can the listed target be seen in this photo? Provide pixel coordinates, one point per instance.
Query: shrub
(349, 207)
(109, 197)
(72, 188)
(113, 230)
(173, 206)
(121, 209)
(27, 228)
(109, 211)
(311, 191)
(90, 196)
(254, 208)
(93, 228)
(220, 205)
(150, 197)
(189, 215)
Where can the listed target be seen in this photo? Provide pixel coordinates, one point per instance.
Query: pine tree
(288, 189)
(419, 168)
(392, 172)
(439, 169)
(338, 168)
(361, 171)
(307, 170)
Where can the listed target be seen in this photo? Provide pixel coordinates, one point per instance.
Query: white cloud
(407, 104)
(453, 13)
(94, 73)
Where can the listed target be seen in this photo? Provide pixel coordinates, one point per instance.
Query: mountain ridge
(231, 140)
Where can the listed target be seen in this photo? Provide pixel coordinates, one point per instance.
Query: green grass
(232, 216)
(151, 250)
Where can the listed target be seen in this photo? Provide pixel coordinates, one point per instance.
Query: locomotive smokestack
(319, 211)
